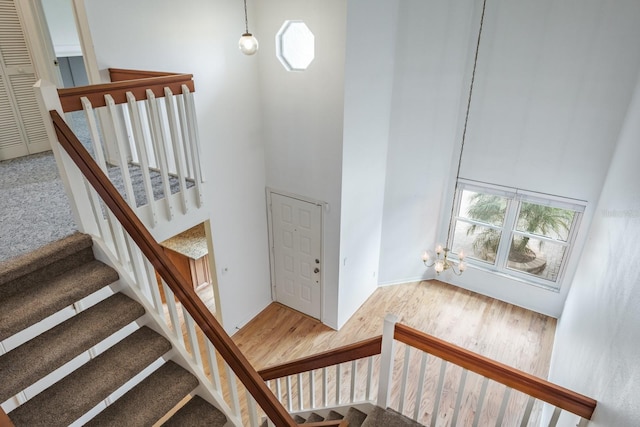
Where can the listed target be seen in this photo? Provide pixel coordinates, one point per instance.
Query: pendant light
(248, 44)
(441, 262)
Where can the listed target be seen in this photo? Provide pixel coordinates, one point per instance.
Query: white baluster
(483, 392)
(527, 411)
(173, 313)
(423, 366)
(463, 379)
(251, 407)
(160, 146)
(184, 128)
(177, 146)
(338, 383)
(325, 388)
(279, 389)
(143, 156)
(354, 372)
(367, 395)
(193, 337)
(194, 140)
(312, 389)
(116, 123)
(405, 374)
(233, 390)
(555, 417)
(289, 397)
(154, 288)
(300, 393)
(213, 365)
(386, 361)
(436, 404)
(503, 406)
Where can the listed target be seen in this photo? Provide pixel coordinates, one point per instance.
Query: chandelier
(441, 262)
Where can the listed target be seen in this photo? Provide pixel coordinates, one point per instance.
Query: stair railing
(139, 257)
(143, 126)
(4, 419)
(461, 385)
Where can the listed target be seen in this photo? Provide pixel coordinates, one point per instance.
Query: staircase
(78, 351)
(353, 417)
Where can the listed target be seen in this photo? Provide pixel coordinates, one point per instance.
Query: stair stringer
(177, 354)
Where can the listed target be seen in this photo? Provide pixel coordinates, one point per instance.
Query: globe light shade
(248, 44)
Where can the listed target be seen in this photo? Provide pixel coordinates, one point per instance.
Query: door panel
(296, 243)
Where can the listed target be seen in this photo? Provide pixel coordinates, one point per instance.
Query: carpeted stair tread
(333, 415)
(42, 355)
(355, 418)
(150, 400)
(314, 418)
(71, 397)
(27, 308)
(388, 418)
(47, 255)
(197, 413)
(298, 419)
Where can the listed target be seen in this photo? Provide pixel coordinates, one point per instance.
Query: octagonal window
(295, 45)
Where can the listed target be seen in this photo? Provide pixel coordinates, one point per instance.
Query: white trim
(269, 191)
(515, 198)
(86, 41)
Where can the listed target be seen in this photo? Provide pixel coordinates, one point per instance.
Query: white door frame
(323, 205)
(39, 40)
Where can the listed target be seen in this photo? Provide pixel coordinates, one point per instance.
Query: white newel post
(386, 360)
(72, 179)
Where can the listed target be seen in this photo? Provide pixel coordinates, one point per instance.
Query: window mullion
(513, 209)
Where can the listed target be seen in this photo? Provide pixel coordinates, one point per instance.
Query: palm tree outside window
(519, 233)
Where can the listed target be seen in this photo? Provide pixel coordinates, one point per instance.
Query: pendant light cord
(466, 119)
(246, 20)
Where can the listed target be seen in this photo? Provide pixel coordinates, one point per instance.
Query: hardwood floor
(503, 332)
(509, 334)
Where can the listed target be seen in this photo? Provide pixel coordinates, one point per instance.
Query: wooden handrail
(137, 84)
(359, 350)
(533, 386)
(4, 419)
(170, 274)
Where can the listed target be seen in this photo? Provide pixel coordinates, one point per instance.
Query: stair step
(74, 395)
(47, 261)
(197, 413)
(388, 417)
(150, 400)
(41, 300)
(314, 418)
(355, 418)
(298, 419)
(333, 415)
(42, 355)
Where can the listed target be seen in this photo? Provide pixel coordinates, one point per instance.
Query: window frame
(514, 199)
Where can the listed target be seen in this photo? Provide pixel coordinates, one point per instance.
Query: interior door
(22, 131)
(296, 229)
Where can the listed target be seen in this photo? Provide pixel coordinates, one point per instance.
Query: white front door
(296, 233)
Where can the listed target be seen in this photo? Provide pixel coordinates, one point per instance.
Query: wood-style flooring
(506, 333)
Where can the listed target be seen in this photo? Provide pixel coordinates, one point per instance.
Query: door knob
(317, 270)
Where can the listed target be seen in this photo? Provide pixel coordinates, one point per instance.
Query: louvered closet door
(22, 130)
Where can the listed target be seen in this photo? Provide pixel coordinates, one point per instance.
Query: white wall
(597, 344)
(433, 52)
(302, 116)
(201, 37)
(552, 86)
(371, 33)
(62, 27)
